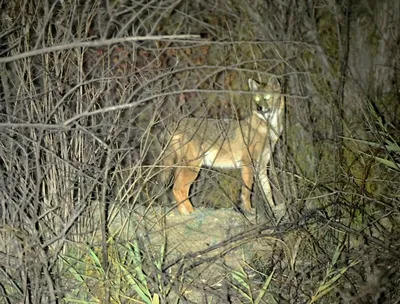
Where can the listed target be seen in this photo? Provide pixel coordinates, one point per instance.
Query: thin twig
(95, 43)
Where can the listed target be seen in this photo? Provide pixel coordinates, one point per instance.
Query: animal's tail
(168, 161)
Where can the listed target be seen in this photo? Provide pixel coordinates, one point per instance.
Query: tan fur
(227, 143)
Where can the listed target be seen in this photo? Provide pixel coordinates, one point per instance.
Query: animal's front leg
(266, 187)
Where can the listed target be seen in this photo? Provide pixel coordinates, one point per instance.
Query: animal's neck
(276, 120)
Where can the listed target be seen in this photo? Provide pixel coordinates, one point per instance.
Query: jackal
(228, 143)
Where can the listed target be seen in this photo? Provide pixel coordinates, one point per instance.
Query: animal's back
(208, 130)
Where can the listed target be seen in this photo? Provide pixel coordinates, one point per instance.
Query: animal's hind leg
(184, 179)
(247, 177)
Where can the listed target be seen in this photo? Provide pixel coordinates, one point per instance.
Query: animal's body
(245, 144)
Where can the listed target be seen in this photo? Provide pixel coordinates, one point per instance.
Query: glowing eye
(267, 97)
(257, 98)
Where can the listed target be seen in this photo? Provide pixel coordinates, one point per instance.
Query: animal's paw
(246, 209)
(279, 211)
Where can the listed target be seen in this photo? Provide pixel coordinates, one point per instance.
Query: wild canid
(227, 143)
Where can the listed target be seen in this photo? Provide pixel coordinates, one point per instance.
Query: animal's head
(267, 97)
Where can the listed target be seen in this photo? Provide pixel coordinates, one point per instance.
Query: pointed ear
(274, 83)
(253, 85)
